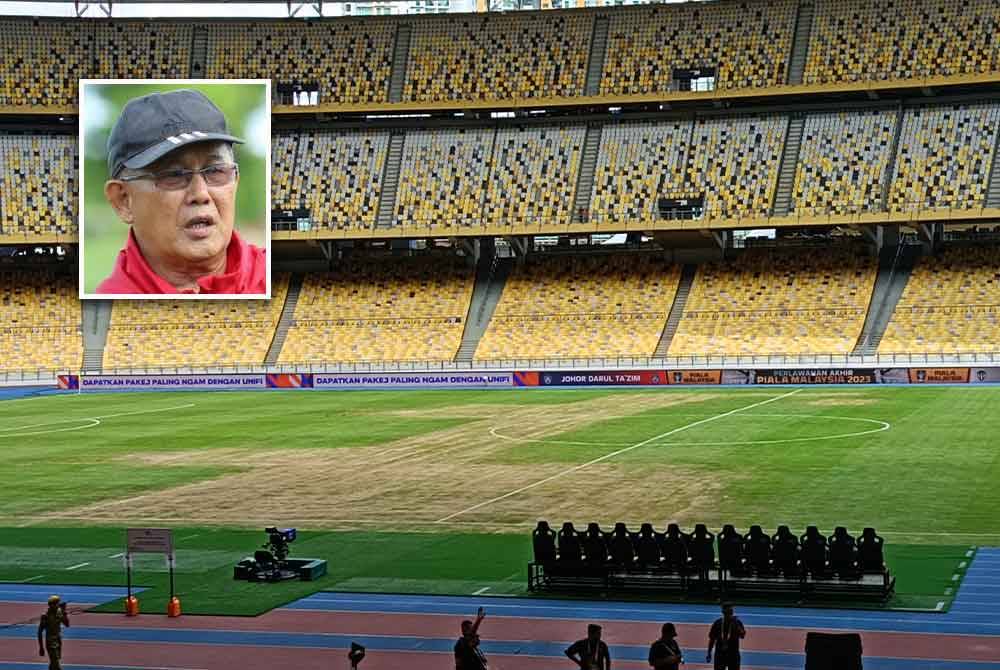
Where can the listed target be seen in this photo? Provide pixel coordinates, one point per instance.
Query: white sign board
(150, 541)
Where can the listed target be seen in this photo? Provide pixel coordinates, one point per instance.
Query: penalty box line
(605, 457)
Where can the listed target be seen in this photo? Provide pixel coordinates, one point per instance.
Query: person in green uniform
(51, 626)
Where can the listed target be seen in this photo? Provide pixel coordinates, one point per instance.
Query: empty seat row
(528, 175)
(497, 56)
(949, 304)
(868, 40)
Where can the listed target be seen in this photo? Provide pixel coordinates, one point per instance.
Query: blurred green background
(246, 111)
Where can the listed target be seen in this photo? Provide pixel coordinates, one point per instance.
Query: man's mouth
(199, 227)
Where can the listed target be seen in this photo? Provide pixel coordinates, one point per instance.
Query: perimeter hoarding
(767, 377)
(246, 382)
(617, 377)
(415, 380)
(984, 376)
(161, 382)
(597, 378)
(540, 378)
(939, 375)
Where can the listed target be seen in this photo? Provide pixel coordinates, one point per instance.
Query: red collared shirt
(246, 272)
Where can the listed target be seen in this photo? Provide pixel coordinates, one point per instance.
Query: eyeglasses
(177, 180)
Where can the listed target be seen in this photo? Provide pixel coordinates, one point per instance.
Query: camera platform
(271, 564)
(303, 569)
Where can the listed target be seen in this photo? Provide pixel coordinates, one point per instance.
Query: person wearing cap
(665, 653)
(590, 653)
(50, 626)
(173, 181)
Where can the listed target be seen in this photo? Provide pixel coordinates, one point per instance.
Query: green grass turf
(930, 475)
(929, 480)
(427, 563)
(76, 467)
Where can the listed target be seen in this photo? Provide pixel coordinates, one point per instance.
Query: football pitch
(437, 491)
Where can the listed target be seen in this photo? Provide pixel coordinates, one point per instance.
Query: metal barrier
(738, 361)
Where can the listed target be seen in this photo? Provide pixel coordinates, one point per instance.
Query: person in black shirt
(590, 653)
(665, 653)
(725, 637)
(468, 655)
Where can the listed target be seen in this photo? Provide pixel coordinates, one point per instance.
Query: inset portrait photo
(175, 194)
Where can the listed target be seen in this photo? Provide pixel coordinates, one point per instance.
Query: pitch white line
(30, 579)
(481, 591)
(93, 421)
(78, 565)
(883, 426)
(118, 555)
(7, 433)
(575, 468)
(145, 411)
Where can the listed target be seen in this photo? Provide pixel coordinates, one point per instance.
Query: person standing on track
(590, 653)
(50, 626)
(665, 653)
(468, 655)
(725, 636)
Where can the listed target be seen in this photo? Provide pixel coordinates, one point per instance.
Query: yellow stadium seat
(41, 321)
(498, 56)
(582, 307)
(951, 304)
(777, 302)
(193, 333)
(391, 309)
(749, 43)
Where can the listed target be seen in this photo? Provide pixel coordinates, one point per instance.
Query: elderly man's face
(191, 225)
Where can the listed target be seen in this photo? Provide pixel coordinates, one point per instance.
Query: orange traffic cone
(131, 606)
(174, 607)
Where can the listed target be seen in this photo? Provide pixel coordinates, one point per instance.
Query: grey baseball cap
(152, 126)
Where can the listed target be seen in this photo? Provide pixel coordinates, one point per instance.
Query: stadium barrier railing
(688, 218)
(738, 361)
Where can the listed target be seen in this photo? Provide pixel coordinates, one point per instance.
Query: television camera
(269, 563)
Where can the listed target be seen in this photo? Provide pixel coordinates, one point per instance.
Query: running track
(417, 632)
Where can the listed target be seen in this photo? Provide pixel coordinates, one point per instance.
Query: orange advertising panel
(939, 375)
(694, 376)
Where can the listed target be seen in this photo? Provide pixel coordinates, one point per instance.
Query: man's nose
(197, 190)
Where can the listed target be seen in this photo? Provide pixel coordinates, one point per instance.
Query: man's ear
(118, 195)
